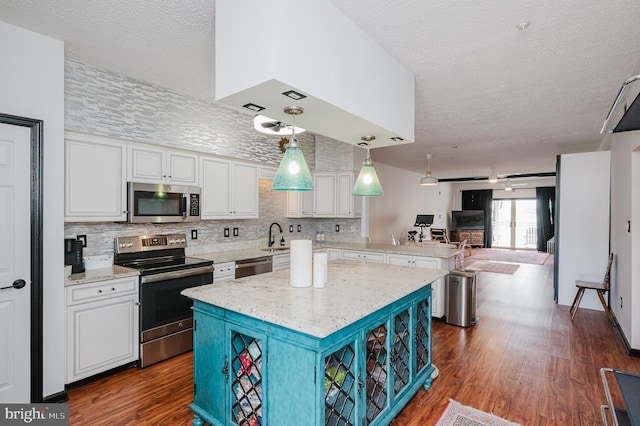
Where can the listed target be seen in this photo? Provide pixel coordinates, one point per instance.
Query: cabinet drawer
(368, 256)
(101, 290)
(224, 271)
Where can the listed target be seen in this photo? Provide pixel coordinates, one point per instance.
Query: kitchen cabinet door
(324, 195)
(94, 179)
(229, 189)
(244, 191)
(102, 327)
(157, 165)
(347, 204)
(215, 182)
(299, 204)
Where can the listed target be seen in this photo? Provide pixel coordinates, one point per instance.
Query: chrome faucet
(271, 240)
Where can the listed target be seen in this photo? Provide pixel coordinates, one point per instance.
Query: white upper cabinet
(95, 190)
(332, 195)
(229, 189)
(348, 205)
(158, 165)
(324, 195)
(300, 203)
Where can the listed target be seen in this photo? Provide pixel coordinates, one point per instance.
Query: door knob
(17, 284)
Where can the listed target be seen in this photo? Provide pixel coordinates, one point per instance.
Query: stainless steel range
(166, 319)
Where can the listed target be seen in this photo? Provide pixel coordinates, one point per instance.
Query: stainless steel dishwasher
(254, 266)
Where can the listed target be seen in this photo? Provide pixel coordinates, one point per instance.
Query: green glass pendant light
(293, 173)
(367, 183)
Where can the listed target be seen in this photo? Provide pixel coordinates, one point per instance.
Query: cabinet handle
(113, 289)
(99, 290)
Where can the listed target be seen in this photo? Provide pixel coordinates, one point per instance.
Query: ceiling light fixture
(270, 126)
(293, 173)
(428, 180)
(493, 177)
(296, 96)
(509, 186)
(253, 107)
(367, 183)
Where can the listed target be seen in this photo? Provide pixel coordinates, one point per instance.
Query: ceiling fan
(275, 125)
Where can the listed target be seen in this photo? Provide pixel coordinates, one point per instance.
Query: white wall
(395, 212)
(625, 206)
(583, 224)
(32, 85)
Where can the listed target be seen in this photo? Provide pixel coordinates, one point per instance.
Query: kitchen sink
(272, 249)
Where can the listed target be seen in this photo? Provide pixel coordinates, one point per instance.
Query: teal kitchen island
(351, 353)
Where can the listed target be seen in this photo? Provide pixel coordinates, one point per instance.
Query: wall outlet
(337, 228)
(226, 232)
(290, 228)
(235, 232)
(620, 302)
(194, 234)
(299, 228)
(82, 238)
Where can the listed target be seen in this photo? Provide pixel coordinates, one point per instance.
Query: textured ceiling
(488, 94)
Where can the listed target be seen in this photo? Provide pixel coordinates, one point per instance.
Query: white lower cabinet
(437, 303)
(102, 326)
(224, 272)
(368, 256)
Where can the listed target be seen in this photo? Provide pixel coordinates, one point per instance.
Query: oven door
(160, 298)
(166, 319)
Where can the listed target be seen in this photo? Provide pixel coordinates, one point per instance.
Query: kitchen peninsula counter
(269, 353)
(437, 250)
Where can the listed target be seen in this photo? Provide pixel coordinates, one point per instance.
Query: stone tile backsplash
(102, 102)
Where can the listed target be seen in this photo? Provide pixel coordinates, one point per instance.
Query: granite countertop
(431, 250)
(354, 290)
(101, 274)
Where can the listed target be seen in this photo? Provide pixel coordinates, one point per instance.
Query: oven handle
(176, 274)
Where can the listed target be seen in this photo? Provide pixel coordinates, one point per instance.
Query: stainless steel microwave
(162, 203)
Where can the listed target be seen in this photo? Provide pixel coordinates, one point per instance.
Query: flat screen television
(467, 219)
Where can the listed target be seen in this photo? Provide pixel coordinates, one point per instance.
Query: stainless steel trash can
(460, 298)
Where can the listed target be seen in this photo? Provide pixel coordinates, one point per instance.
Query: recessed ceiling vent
(624, 115)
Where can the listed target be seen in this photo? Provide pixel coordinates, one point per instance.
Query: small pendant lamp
(428, 180)
(367, 183)
(293, 173)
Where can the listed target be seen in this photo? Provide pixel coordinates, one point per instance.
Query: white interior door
(15, 261)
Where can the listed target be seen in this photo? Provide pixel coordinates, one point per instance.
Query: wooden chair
(459, 259)
(601, 287)
(439, 234)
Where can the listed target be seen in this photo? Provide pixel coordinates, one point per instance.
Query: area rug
(502, 255)
(486, 266)
(457, 414)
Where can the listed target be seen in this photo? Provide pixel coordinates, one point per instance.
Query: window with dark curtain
(545, 210)
(481, 199)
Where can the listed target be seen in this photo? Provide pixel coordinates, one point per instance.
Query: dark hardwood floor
(525, 361)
